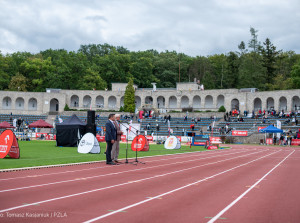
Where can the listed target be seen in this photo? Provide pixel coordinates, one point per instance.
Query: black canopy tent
(69, 132)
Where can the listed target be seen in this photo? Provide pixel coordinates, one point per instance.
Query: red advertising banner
(295, 142)
(261, 127)
(123, 138)
(140, 143)
(9, 145)
(239, 133)
(100, 138)
(269, 141)
(212, 147)
(150, 138)
(215, 140)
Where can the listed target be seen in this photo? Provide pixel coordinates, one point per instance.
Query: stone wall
(184, 96)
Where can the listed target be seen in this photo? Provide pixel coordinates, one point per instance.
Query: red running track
(243, 184)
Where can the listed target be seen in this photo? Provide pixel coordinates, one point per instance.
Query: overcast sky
(193, 27)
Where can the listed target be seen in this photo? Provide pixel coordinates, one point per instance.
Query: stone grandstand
(31, 106)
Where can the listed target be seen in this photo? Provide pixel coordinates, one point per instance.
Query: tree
(251, 72)
(253, 43)
(269, 54)
(18, 83)
(4, 77)
(92, 80)
(129, 98)
(231, 79)
(36, 70)
(141, 69)
(296, 76)
(242, 48)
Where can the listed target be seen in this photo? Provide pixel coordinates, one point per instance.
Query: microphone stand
(136, 159)
(126, 160)
(137, 134)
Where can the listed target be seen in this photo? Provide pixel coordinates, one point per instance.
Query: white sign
(278, 125)
(88, 144)
(172, 143)
(132, 130)
(46, 102)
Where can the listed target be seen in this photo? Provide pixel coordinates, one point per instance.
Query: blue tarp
(270, 129)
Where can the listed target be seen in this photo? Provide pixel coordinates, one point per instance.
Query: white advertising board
(88, 144)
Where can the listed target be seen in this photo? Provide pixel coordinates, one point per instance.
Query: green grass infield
(42, 153)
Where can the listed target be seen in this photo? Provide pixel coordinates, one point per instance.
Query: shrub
(222, 109)
(66, 108)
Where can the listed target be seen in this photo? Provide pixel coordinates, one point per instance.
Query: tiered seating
(27, 118)
(251, 125)
(177, 124)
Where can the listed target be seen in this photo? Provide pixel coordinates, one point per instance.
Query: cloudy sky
(194, 27)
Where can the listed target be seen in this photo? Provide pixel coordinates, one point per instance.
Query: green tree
(269, 54)
(129, 97)
(114, 67)
(295, 73)
(251, 72)
(253, 43)
(36, 71)
(4, 77)
(141, 68)
(18, 83)
(92, 80)
(232, 77)
(242, 48)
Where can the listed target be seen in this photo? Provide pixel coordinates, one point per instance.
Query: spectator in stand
(148, 127)
(192, 126)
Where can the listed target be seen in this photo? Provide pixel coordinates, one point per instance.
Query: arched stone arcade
(6, 103)
(19, 105)
(54, 105)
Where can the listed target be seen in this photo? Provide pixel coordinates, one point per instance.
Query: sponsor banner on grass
(9, 145)
(88, 144)
(140, 143)
(172, 143)
(212, 147)
(239, 133)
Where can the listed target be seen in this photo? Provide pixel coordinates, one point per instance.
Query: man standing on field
(110, 138)
(116, 145)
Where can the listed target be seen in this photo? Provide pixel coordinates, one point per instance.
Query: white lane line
(117, 185)
(89, 162)
(247, 191)
(110, 174)
(197, 153)
(172, 191)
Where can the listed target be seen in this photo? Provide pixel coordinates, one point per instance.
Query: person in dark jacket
(110, 137)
